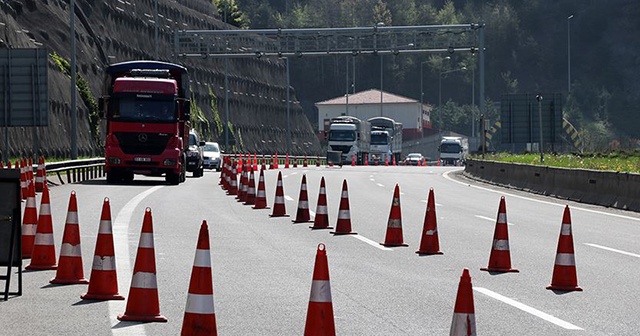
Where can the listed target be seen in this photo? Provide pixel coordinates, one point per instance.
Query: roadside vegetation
(618, 161)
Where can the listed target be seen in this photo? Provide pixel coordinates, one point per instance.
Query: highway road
(262, 266)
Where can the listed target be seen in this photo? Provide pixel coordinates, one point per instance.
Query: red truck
(147, 110)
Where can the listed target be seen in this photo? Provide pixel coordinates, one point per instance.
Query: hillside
(115, 31)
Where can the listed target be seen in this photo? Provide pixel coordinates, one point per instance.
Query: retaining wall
(607, 188)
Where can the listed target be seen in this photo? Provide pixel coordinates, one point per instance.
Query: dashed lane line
(525, 308)
(613, 250)
(491, 219)
(371, 242)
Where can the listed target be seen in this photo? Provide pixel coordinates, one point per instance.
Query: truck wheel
(127, 177)
(173, 178)
(113, 178)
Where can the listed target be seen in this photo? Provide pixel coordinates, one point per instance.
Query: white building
(370, 103)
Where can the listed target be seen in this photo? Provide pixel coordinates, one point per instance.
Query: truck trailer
(350, 136)
(386, 140)
(146, 106)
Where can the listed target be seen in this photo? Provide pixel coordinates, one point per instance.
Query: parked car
(212, 156)
(414, 159)
(195, 157)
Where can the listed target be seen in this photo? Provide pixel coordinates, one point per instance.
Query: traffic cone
(564, 270)
(500, 258)
(233, 180)
(261, 195)
(278, 205)
(255, 162)
(305, 163)
(295, 162)
(23, 180)
(429, 243)
(272, 164)
(343, 226)
(103, 283)
(276, 162)
(250, 199)
(29, 225)
(143, 304)
(199, 313)
(302, 215)
(40, 175)
(70, 269)
(286, 161)
(239, 165)
(366, 160)
(263, 166)
(386, 160)
(318, 161)
(243, 188)
(321, 221)
(353, 160)
(43, 256)
(464, 319)
(320, 312)
(394, 225)
(30, 179)
(393, 160)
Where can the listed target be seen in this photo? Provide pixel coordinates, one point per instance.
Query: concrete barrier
(607, 188)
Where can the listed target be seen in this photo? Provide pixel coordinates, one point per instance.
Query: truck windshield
(336, 135)
(130, 109)
(450, 148)
(379, 139)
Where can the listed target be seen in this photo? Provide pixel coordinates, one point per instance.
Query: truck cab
(452, 151)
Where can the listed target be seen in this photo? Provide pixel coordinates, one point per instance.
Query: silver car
(212, 156)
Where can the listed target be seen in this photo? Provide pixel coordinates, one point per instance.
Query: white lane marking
(491, 219)
(371, 242)
(525, 308)
(613, 250)
(120, 229)
(446, 175)
(425, 201)
(380, 185)
(288, 198)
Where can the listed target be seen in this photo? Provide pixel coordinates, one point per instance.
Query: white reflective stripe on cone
(200, 304)
(565, 259)
(566, 229)
(430, 232)
(202, 259)
(29, 229)
(146, 240)
(345, 194)
(105, 227)
(344, 214)
(303, 204)
(104, 263)
(260, 193)
(501, 244)
(320, 291)
(502, 218)
(279, 200)
(395, 223)
(72, 217)
(68, 250)
(45, 209)
(144, 280)
(463, 324)
(322, 210)
(43, 239)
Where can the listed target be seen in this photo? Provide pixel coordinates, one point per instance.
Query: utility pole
(539, 99)
(74, 108)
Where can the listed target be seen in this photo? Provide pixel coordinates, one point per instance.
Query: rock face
(116, 31)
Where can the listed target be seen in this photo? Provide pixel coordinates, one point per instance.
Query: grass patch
(624, 162)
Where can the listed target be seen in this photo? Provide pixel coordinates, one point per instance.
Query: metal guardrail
(75, 170)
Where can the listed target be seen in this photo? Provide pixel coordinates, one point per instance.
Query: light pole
(569, 52)
(440, 82)
(380, 24)
(422, 85)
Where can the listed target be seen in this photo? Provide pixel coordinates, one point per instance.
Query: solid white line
(425, 201)
(525, 308)
(121, 246)
(613, 250)
(446, 175)
(491, 219)
(371, 242)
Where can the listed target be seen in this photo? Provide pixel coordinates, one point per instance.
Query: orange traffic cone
(261, 195)
(29, 225)
(250, 199)
(302, 215)
(276, 162)
(318, 161)
(255, 162)
(344, 215)
(199, 314)
(429, 243)
(286, 161)
(321, 221)
(295, 163)
(366, 160)
(386, 160)
(23, 179)
(233, 180)
(143, 304)
(40, 175)
(464, 319)
(564, 270)
(70, 269)
(103, 283)
(353, 160)
(305, 163)
(279, 209)
(500, 258)
(243, 188)
(30, 179)
(394, 225)
(320, 312)
(43, 256)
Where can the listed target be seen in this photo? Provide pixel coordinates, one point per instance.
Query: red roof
(368, 97)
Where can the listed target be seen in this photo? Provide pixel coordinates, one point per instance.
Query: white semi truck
(453, 150)
(386, 140)
(350, 136)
